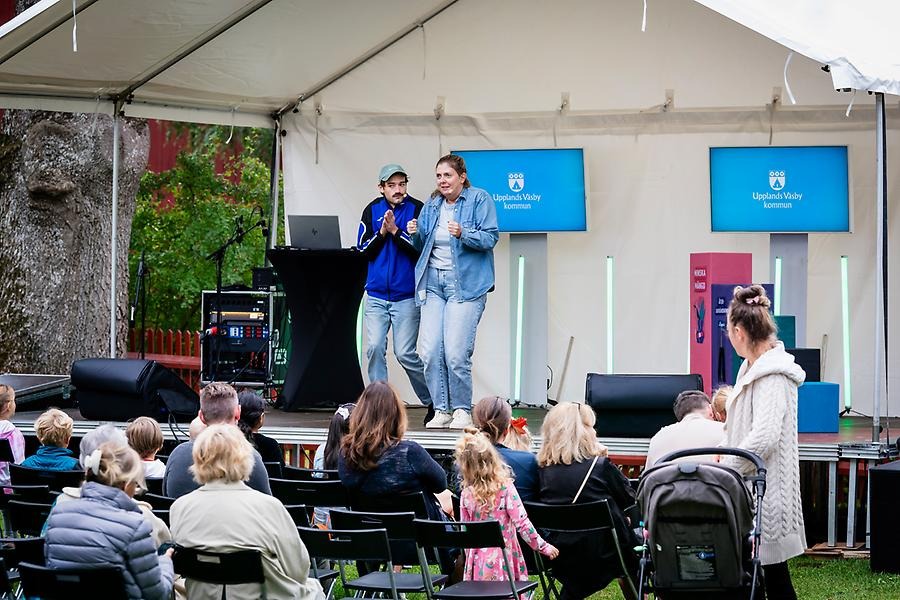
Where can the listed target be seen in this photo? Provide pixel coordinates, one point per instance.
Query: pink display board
(707, 269)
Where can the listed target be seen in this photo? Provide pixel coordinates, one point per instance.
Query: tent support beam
(114, 255)
(50, 27)
(881, 266)
(371, 53)
(276, 166)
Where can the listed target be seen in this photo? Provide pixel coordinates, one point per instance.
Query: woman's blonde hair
(720, 395)
(7, 397)
(145, 436)
(221, 452)
(115, 465)
(54, 428)
(568, 435)
(480, 466)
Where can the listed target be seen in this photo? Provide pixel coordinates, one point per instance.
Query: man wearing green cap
(390, 285)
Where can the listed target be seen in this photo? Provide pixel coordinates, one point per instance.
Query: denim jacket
(473, 252)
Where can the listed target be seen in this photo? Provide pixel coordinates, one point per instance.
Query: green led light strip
(610, 263)
(845, 318)
(520, 310)
(777, 286)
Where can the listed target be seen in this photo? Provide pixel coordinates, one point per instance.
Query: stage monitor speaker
(810, 360)
(885, 530)
(635, 405)
(109, 389)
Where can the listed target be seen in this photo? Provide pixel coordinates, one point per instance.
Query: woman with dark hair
(253, 415)
(493, 416)
(761, 416)
(456, 233)
(375, 460)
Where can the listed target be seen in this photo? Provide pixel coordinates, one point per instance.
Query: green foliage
(186, 213)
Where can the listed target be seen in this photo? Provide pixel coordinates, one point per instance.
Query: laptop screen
(315, 232)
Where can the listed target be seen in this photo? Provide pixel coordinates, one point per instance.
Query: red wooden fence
(177, 350)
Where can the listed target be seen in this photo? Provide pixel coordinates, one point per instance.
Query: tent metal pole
(113, 234)
(881, 320)
(273, 195)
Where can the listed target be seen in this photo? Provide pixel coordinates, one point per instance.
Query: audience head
(492, 415)
(145, 436)
(7, 402)
(720, 395)
(480, 466)
(568, 435)
(219, 404)
(221, 452)
(750, 324)
(518, 437)
(54, 428)
(377, 422)
(337, 429)
(97, 437)
(116, 466)
(691, 401)
(253, 410)
(196, 427)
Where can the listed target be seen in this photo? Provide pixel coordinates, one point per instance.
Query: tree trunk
(55, 227)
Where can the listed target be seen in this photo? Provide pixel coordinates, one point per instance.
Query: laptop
(315, 232)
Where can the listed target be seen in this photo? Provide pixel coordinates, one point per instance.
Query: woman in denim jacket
(456, 233)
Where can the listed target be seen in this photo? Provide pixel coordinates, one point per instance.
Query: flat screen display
(779, 189)
(533, 190)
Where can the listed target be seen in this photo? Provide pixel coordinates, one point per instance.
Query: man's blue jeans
(447, 338)
(403, 318)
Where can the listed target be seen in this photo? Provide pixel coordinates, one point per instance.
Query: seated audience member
(105, 527)
(8, 431)
(145, 436)
(108, 434)
(720, 396)
(326, 457)
(376, 461)
(518, 437)
(253, 415)
(218, 406)
(224, 515)
(196, 428)
(574, 469)
(695, 429)
(54, 432)
(493, 416)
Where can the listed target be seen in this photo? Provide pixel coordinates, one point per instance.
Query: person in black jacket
(253, 415)
(390, 284)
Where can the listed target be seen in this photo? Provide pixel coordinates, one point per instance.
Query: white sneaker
(441, 420)
(461, 419)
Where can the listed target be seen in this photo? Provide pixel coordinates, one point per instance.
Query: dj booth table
(323, 290)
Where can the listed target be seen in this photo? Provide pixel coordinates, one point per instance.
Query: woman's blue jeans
(447, 341)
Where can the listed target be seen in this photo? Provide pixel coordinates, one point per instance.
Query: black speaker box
(635, 405)
(884, 491)
(111, 389)
(810, 360)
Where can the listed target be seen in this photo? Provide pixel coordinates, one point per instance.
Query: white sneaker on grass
(441, 420)
(461, 419)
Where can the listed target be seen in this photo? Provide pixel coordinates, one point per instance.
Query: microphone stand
(218, 255)
(140, 295)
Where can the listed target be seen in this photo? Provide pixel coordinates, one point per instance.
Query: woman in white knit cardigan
(762, 418)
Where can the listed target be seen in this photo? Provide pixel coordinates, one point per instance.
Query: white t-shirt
(154, 469)
(441, 258)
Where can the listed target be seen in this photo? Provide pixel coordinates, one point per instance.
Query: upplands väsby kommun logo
(776, 180)
(516, 181)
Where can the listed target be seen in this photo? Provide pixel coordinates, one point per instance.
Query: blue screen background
(556, 176)
(817, 173)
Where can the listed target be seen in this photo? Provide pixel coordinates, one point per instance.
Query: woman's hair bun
(753, 295)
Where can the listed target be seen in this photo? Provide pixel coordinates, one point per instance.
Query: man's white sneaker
(461, 419)
(441, 420)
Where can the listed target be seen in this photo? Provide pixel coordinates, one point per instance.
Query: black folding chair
(298, 474)
(158, 502)
(153, 485)
(163, 515)
(55, 480)
(299, 514)
(590, 517)
(323, 493)
(273, 469)
(413, 502)
(402, 536)
(65, 584)
(22, 549)
(466, 535)
(27, 518)
(220, 568)
(369, 545)
(6, 453)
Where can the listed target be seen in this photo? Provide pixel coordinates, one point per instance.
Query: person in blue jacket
(390, 284)
(456, 233)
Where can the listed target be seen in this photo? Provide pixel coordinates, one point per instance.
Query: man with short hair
(218, 405)
(390, 284)
(695, 429)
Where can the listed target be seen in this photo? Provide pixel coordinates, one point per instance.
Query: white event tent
(645, 87)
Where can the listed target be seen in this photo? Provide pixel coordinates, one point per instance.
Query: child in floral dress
(488, 493)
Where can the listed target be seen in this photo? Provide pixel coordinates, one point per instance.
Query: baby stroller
(701, 538)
